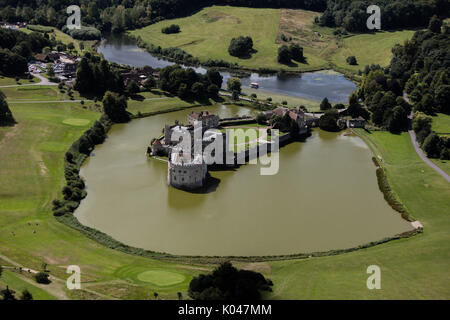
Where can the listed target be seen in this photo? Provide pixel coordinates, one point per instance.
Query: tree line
(120, 15)
(17, 47)
(352, 15)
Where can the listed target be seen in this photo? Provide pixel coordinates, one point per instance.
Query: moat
(324, 197)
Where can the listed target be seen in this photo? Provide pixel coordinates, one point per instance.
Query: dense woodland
(421, 69)
(352, 16)
(16, 48)
(120, 15)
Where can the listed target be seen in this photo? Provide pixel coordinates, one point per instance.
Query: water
(324, 197)
(313, 85)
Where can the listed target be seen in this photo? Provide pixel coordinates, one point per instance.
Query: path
(56, 288)
(44, 82)
(419, 151)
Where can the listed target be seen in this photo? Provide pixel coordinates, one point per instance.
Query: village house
(297, 115)
(139, 75)
(207, 119)
(359, 122)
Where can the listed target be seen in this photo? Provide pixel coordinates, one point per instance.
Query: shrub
(174, 28)
(351, 60)
(42, 277)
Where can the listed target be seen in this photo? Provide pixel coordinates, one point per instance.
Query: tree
(284, 54)
(328, 121)
(261, 118)
(435, 24)
(8, 294)
(149, 83)
(241, 47)
(213, 90)
(351, 60)
(234, 85)
(26, 295)
(296, 52)
(432, 145)
(71, 46)
(325, 104)
(398, 121)
(50, 70)
(132, 87)
(6, 117)
(228, 283)
(42, 277)
(180, 295)
(114, 106)
(421, 121)
(155, 294)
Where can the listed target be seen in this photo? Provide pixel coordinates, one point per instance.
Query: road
(419, 151)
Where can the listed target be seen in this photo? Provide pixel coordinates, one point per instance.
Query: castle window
(182, 179)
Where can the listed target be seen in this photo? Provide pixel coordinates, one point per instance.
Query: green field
(31, 171)
(16, 283)
(441, 123)
(5, 81)
(294, 102)
(369, 49)
(207, 34)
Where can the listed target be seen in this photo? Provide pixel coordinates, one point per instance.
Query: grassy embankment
(31, 158)
(413, 268)
(17, 283)
(207, 34)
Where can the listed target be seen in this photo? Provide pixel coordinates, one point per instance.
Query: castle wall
(190, 176)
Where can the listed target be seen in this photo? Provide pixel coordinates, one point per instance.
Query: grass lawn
(5, 81)
(293, 102)
(155, 102)
(16, 283)
(414, 268)
(441, 123)
(369, 48)
(207, 34)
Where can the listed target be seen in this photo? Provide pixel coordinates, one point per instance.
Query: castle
(188, 170)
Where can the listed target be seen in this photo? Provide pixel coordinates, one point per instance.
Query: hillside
(207, 34)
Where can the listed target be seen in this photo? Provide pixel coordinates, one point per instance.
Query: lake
(311, 85)
(324, 197)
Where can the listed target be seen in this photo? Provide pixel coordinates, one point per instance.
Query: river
(311, 85)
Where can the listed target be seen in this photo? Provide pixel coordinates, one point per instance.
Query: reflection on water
(325, 196)
(313, 85)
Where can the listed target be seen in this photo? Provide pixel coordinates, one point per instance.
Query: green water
(324, 197)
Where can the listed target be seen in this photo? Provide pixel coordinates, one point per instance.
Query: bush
(351, 60)
(174, 28)
(42, 277)
(328, 121)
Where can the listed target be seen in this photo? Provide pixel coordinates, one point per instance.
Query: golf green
(76, 122)
(161, 278)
